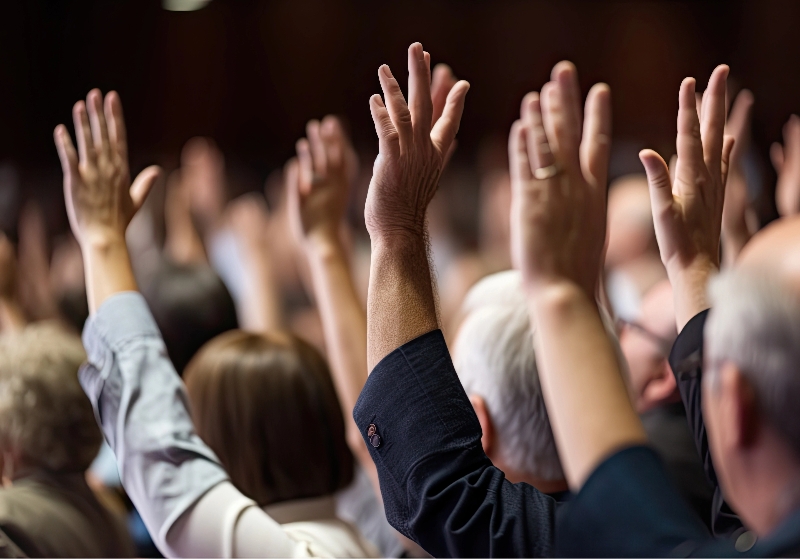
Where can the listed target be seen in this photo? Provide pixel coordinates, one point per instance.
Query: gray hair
(755, 324)
(44, 414)
(495, 359)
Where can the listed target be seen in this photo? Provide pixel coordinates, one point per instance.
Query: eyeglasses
(664, 344)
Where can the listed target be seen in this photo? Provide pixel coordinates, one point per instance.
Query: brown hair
(266, 405)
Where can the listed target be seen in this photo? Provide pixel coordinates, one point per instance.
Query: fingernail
(386, 71)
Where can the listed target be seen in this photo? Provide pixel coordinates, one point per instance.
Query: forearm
(586, 397)
(690, 288)
(400, 303)
(261, 307)
(11, 316)
(343, 319)
(108, 269)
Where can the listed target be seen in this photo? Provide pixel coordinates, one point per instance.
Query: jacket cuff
(687, 351)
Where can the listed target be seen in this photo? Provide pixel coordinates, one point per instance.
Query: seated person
(185, 497)
(191, 305)
(251, 396)
(646, 343)
(48, 439)
(438, 486)
(495, 361)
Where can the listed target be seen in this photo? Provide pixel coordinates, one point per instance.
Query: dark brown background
(250, 73)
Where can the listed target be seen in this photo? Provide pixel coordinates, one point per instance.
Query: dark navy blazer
(440, 489)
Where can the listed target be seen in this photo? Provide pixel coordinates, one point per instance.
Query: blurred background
(249, 74)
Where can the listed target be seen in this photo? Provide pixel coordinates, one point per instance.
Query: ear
(487, 439)
(743, 408)
(661, 388)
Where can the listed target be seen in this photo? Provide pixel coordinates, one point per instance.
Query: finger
(396, 106)
(291, 173)
(738, 121)
(446, 128)
(673, 165)
(442, 82)
(388, 137)
(143, 184)
(419, 92)
(317, 148)
(566, 75)
(698, 97)
(712, 126)
(539, 152)
(66, 151)
(305, 166)
(596, 143)
(560, 127)
(689, 145)
(97, 119)
(519, 162)
(776, 156)
(83, 134)
(335, 142)
(791, 138)
(728, 145)
(117, 134)
(657, 181)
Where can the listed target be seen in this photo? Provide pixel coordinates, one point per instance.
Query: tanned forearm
(400, 304)
(576, 357)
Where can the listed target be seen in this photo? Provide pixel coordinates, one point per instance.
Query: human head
(191, 305)
(751, 385)
(46, 420)
(645, 344)
(266, 405)
(630, 220)
(495, 360)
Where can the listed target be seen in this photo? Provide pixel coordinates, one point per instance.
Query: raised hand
(412, 150)
(100, 198)
(319, 182)
(786, 160)
(99, 195)
(558, 177)
(687, 211)
(737, 214)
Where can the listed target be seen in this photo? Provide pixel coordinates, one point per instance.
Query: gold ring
(546, 172)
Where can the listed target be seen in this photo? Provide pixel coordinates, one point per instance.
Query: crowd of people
(255, 379)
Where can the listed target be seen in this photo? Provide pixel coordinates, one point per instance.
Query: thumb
(657, 179)
(142, 185)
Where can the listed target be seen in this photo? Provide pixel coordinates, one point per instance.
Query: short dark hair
(266, 405)
(191, 305)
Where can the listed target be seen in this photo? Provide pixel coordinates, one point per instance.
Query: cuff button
(373, 436)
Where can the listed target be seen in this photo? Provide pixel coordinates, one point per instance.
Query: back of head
(755, 324)
(266, 405)
(46, 420)
(495, 359)
(191, 305)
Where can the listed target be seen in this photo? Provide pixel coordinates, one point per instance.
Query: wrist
(689, 286)
(101, 240)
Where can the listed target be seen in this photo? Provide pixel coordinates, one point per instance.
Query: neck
(770, 491)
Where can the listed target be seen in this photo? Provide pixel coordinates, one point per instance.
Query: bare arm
(11, 315)
(260, 309)
(558, 226)
(400, 303)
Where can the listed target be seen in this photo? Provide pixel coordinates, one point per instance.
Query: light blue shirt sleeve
(142, 407)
